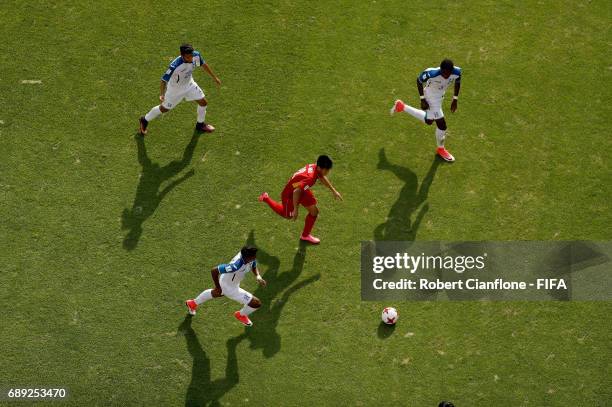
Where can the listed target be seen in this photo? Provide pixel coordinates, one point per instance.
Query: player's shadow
(263, 334)
(148, 193)
(399, 225)
(202, 390)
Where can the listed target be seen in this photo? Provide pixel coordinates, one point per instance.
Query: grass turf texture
(93, 303)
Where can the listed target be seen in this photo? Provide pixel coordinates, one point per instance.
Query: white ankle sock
(204, 296)
(440, 136)
(246, 310)
(155, 112)
(201, 113)
(416, 113)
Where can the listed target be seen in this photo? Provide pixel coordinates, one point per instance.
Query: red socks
(276, 206)
(308, 224)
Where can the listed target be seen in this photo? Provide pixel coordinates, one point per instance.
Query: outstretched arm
(329, 185)
(211, 73)
(260, 280)
(174, 183)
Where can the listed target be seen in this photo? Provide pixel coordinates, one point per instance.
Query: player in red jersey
(297, 192)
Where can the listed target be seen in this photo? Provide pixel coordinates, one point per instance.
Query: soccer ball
(389, 316)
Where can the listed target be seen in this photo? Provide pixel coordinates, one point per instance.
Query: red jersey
(303, 179)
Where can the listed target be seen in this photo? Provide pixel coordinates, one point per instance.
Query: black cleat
(143, 125)
(204, 128)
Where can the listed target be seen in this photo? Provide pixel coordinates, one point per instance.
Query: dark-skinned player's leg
(249, 307)
(254, 303)
(440, 137)
(206, 295)
(441, 123)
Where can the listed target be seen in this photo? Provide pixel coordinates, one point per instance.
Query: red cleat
(310, 239)
(244, 319)
(398, 107)
(191, 306)
(263, 196)
(442, 152)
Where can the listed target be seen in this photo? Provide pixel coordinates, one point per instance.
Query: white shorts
(236, 293)
(174, 96)
(435, 108)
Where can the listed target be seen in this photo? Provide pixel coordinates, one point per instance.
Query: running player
(227, 278)
(297, 192)
(178, 84)
(432, 84)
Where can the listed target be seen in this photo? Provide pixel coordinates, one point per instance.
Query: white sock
(201, 113)
(204, 296)
(246, 310)
(155, 112)
(440, 136)
(416, 113)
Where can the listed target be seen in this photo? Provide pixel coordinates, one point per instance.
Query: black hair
(186, 49)
(447, 65)
(248, 251)
(324, 162)
(446, 404)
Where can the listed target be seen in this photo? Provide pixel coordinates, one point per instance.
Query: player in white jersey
(432, 84)
(177, 84)
(227, 278)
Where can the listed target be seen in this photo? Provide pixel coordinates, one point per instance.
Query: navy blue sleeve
(173, 65)
(168, 73)
(423, 77)
(231, 267)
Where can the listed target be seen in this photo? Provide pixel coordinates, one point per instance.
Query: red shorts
(307, 199)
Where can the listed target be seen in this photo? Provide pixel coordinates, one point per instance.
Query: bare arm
(424, 104)
(211, 73)
(457, 88)
(162, 90)
(329, 185)
(420, 88)
(455, 97)
(260, 280)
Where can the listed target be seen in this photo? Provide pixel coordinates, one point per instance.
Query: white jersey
(434, 84)
(179, 73)
(233, 272)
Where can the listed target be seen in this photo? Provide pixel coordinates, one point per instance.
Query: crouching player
(227, 278)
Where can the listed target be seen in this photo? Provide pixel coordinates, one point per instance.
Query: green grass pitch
(103, 236)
